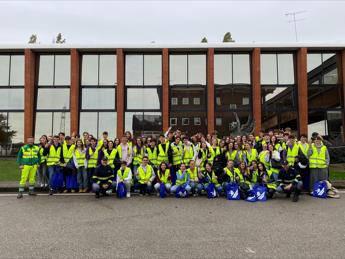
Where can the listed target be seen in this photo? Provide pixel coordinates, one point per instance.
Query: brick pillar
(74, 91)
(165, 89)
(342, 78)
(302, 91)
(210, 90)
(120, 92)
(29, 93)
(256, 91)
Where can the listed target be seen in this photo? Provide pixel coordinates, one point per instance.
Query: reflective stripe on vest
(67, 152)
(138, 156)
(163, 154)
(53, 157)
(318, 160)
(188, 154)
(177, 155)
(193, 174)
(152, 155)
(92, 161)
(30, 153)
(145, 176)
(43, 158)
(164, 177)
(179, 175)
(110, 156)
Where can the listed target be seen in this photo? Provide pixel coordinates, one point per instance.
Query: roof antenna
(294, 20)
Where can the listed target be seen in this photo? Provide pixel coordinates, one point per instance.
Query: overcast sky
(177, 21)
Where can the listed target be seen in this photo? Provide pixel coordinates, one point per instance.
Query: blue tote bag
(121, 190)
(71, 182)
(232, 191)
(251, 196)
(57, 180)
(260, 192)
(320, 190)
(181, 192)
(211, 191)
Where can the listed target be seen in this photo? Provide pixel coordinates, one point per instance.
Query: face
(230, 164)
(163, 166)
(104, 162)
(247, 146)
(242, 165)
(317, 142)
(93, 142)
(183, 167)
(177, 140)
(110, 144)
(264, 147)
(105, 136)
(208, 167)
(254, 165)
(161, 139)
(117, 141)
(123, 166)
(145, 161)
(56, 141)
(260, 166)
(303, 139)
(30, 141)
(124, 140)
(270, 148)
(85, 135)
(79, 143)
(191, 164)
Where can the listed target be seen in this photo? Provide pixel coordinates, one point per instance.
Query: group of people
(275, 159)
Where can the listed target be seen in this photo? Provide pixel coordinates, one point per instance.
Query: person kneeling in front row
(102, 179)
(145, 175)
(124, 175)
(289, 181)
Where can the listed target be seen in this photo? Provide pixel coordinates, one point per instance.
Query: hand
(288, 187)
(21, 167)
(120, 180)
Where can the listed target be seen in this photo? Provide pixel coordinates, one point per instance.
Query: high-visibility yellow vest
(138, 155)
(152, 155)
(193, 174)
(163, 154)
(92, 162)
(43, 158)
(214, 152)
(188, 154)
(164, 177)
(304, 149)
(80, 156)
(111, 156)
(318, 160)
(29, 155)
(231, 155)
(53, 157)
(184, 176)
(129, 150)
(145, 176)
(211, 177)
(232, 175)
(251, 157)
(177, 154)
(291, 154)
(262, 157)
(67, 152)
(123, 174)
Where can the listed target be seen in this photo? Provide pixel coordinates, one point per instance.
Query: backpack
(232, 191)
(320, 189)
(211, 191)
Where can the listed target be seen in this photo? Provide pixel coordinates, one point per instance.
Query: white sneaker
(128, 195)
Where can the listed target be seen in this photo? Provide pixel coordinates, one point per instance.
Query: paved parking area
(70, 226)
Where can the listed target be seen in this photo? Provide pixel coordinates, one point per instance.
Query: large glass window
(12, 128)
(143, 77)
(51, 123)
(98, 94)
(11, 70)
(233, 91)
(324, 96)
(11, 99)
(54, 70)
(278, 91)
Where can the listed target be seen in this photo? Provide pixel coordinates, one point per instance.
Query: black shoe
(51, 192)
(20, 195)
(97, 195)
(288, 194)
(295, 197)
(32, 194)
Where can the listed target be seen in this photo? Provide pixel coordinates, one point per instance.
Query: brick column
(342, 78)
(210, 90)
(75, 90)
(302, 90)
(256, 90)
(165, 89)
(120, 92)
(29, 93)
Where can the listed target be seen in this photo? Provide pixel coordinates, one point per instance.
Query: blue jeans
(52, 170)
(82, 177)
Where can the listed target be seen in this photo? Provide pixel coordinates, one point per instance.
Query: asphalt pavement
(80, 226)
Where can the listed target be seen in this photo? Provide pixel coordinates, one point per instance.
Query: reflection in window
(233, 97)
(152, 69)
(11, 99)
(143, 98)
(278, 98)
(143, 123)
(241, 69)
(322, 68)
(134, 70)
(93, 99)
(277, 69)
(223, 69)
(11, 70)
(193, 92)
(13, 125)
(178, 69)
(226, 122)
(327, 123)
(53, 99)
(51, 123)
(197, 69)
(54, 70)
(97, 122)
(98, 70)
(189, 122)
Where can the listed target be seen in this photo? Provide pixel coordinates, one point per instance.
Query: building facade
(147, 88)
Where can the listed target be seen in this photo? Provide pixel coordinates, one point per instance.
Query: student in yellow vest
(292, 151)
(177, 151)
(249, 154)
(163, 176)
(164, 151)
(138, 153)
(53, 152)
(111, 153)
(125, 151)
(69, 169)
(264, 156)
(318, 162)
(146, 175)
(81, 165)
(151, 152)
(62, 138)
(92, 153)
(42, 168)
(193, 177)
(232, 175)
(105, 136)
(266, 179)
(274, 161)
(28, 159)
(188, 151)
(124, 175)
(182, 179)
